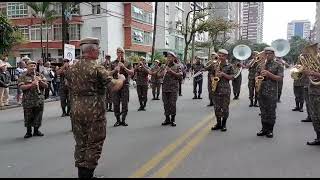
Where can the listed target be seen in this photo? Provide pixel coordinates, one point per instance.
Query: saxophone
(215, 79)
(261, 58)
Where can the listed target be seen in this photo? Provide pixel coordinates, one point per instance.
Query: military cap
(214, 53)
(31, 62)
(89, 40)
(269, 49)
(223, 51)
(172, 53)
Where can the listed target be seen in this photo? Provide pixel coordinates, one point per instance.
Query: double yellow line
(165, 170)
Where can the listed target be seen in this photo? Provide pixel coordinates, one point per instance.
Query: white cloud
(278, 14)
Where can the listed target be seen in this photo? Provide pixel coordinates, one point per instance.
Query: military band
(252, 68)
(156, 80)
(236, 82)
(107, 65)
(197, 80)
(142, 71)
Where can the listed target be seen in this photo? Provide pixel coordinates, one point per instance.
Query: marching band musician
(121, 66)
(236, 82)
(280, 83)
(252, 68)
(198, 80)
(314, 100)
(210, 71)
(142, 71)
(64, 89)
(298, 90)
(107, 65)
(272, 71)
(170, 88)
(156, 80)
(32, 84)
(221, 96)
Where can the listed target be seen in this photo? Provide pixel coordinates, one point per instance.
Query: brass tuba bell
(241, 52)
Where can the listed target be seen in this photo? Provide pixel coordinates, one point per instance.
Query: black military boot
(110, 107)
(223, 126)
(218, 125)
(308, 119)
(173, 120)
(68, 111)
(251, 103)
(297, 108)
(141, 106)
(316, 141)
(118, 123)
(124, 120)
(166, 121)
(64, 112)
(85, 172)
(199, 96)
(195, 96)
(211, 103)
(255, 103)
(36, 132)
(301, 107)
(29, 133)
(263, 131)
(144, 103)
(157, 97)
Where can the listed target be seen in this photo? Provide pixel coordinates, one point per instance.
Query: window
(137, 36)
(178, 42)
(74, 31)
(179, 4)
(17, 9)
(96, 8)
(147, 38)
(167, 9)
(178, 16)
(36, 33)
(57, 32)
(25, 32)
(139, 14)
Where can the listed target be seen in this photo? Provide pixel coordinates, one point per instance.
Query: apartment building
(252, 21)
(300, 28)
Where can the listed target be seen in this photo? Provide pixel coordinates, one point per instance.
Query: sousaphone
(241, 52)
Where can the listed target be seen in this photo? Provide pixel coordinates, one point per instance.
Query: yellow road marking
(183, 153)
(168, 150)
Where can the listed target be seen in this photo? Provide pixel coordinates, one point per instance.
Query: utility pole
(193, 37)
(154, 30)
(65, 28)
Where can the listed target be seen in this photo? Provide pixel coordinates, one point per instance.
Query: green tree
(159, 56)
(296, 46)
(9, 35)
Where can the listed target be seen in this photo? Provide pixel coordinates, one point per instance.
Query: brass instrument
(240, 52)
(262, 60)
(309, 59)
(215, 79)
(213, 60)
(37, 79)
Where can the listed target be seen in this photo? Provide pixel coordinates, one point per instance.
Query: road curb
(16, 106)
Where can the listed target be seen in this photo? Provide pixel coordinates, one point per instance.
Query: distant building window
(96, 9)
(57, 32)
(147, 38)
(25, 32)
(17, 9)
(137, 36)
(140, 15)
(74, 31)
(36, 33)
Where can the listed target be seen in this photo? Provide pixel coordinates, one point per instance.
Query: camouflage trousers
(306, 98)
(156, 89)
(33, 116)
(197, 82)
(298, 93)
(221, 105)
(65, 99)
(268, 107)
(142, 91)
(236, 85)
(280, 84)
(252, 91)
(210, 89)
(315, 111)
(108, 97)
(121, 96)
(170, 102)
(89, 130)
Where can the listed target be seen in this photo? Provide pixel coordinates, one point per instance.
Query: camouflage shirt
(142, 76)
(197, 68)
(106, 65)
(86, 78)
(31, 97)
(269, 87)
(155, 78)
(127, 64)
(252, 71)
(171, 82)
(223, 86)
(300, 82)
(314, 89)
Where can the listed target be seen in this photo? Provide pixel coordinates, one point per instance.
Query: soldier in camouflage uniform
(252, 67)
(214, 56)
(298, 89)
(306, 83)
(170, 88)
(64, 90)
(107, 65)
(89, 82)
(272, 71)
(156, 80)
(236, 82)
(280, 83)
(121, 66)
(32, 84)
(314, 99)
(142, 71)
(221, 96)
(197, 81)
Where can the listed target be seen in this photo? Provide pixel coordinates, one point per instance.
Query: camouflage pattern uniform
(314, 99)
(64, 94)
(298, 89)
(108, 93)
(197, 81)
(121, 96)
(251, 83)
(221, 97)
(306, 83)
(170, 90)
(142, 85)
(268, 96)
(88, 92)
(155, 82)
(236, 83)
(33, 102)
(210, 93)
(280, 84)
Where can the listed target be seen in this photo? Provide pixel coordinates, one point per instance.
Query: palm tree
(40, 10)
(50, 16)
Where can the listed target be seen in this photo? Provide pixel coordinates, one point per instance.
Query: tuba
(281, 47)
(241, 52)
(309, 59)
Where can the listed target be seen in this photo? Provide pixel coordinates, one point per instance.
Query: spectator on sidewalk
(48, 74)
(56, 81)
(40, 66)
(18, 72)
(5, 79)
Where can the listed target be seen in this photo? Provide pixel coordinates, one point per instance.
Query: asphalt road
(147, 149)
